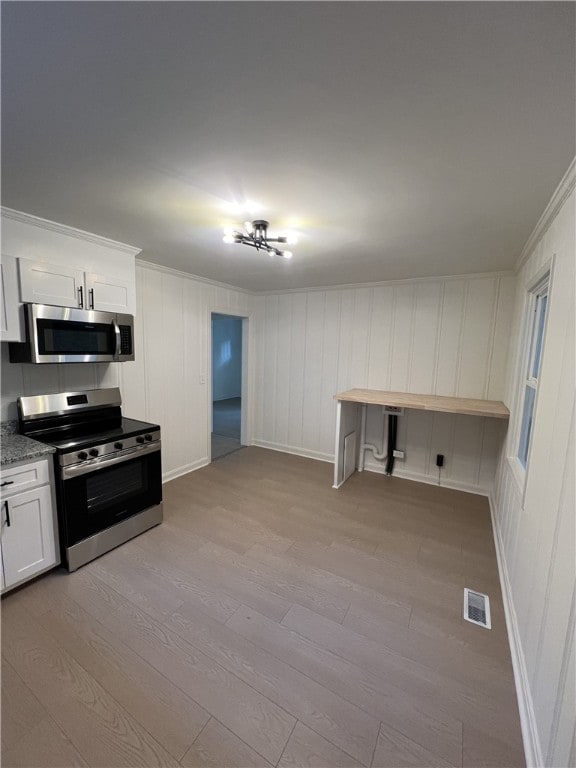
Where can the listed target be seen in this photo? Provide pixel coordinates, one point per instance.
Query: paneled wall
(163, 385)
(437, 336)
(535, 515)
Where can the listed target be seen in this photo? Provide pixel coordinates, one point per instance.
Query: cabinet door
(11, 326)
(23, 477)
(108, 294)
(29, 542)
(45, 283)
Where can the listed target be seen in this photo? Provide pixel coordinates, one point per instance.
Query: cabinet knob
(7, 514)
(7, 482)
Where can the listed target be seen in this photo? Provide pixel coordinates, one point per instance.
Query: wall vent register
(477, 608)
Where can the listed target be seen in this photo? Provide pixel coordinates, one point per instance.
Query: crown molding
(341, 287)
(189, 276)
(64, 229)
(385, 283)
(561, 193)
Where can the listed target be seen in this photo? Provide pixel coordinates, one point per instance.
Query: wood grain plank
(170, 716)
(255, 719)
(368, 690)
(96, 724)
(306, 749)
(45, 746)
(21, 710)
(294, 589)
(394, 749)
(436, 689)
(218, 747)
(335, 718)
(210, 575)
(216, 604)
(484, 749)
(346, 589)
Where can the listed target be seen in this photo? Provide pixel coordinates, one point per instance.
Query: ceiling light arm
(256, 237)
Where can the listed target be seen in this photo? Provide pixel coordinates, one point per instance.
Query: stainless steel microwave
(64, 335)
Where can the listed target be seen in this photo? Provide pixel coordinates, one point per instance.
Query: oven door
(96, 497)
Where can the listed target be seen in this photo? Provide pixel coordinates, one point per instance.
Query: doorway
(226, 384)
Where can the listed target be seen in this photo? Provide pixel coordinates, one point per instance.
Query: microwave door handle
(118, 338)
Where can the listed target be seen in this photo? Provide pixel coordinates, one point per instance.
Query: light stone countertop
(15, 447)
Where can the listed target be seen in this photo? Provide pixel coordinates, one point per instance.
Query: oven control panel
(97, 452)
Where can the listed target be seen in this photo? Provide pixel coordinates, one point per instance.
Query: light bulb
(287, 254)
(291, 239)
(248, 226)
(228, 238)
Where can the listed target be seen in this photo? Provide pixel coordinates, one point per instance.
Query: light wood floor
(270, 621)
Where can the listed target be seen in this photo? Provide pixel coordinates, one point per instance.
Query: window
(535, 326)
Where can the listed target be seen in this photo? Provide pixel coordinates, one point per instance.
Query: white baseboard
(418, 477)
(530, 737)
(317, 455)
(179, 471)
(398, 472)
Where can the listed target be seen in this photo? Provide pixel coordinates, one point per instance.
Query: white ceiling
(397, 139)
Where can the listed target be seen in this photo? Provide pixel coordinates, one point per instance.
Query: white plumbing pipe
(364, 446)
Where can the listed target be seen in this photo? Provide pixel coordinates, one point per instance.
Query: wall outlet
(393, 410)
(398, 454)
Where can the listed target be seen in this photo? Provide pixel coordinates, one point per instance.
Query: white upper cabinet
(11, 326)
(108, 294)
(44, 283)
(66, 267)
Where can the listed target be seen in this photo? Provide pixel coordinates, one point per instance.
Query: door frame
(245, 405)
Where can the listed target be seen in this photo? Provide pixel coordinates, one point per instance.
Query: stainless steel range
(107, 468)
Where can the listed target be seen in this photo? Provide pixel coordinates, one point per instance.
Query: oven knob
(82, 455)
(139, 439)
(118, 446)
(93, 452)
(148, 437)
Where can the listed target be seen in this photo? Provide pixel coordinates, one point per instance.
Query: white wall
(163, 384)
(439, 336)
(535, 521)
(226, 357)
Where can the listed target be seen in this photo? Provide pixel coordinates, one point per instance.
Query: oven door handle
(94, 466)
(118, 340)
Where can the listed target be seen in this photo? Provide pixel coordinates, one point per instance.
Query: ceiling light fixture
(256, 236)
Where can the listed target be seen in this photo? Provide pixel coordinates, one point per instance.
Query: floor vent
(477, 608)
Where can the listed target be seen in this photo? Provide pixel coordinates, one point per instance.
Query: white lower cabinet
(29, 535)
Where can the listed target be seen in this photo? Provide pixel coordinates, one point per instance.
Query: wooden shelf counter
(464, 405)
(353, 403)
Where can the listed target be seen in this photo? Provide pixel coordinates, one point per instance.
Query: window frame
(538, 289)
